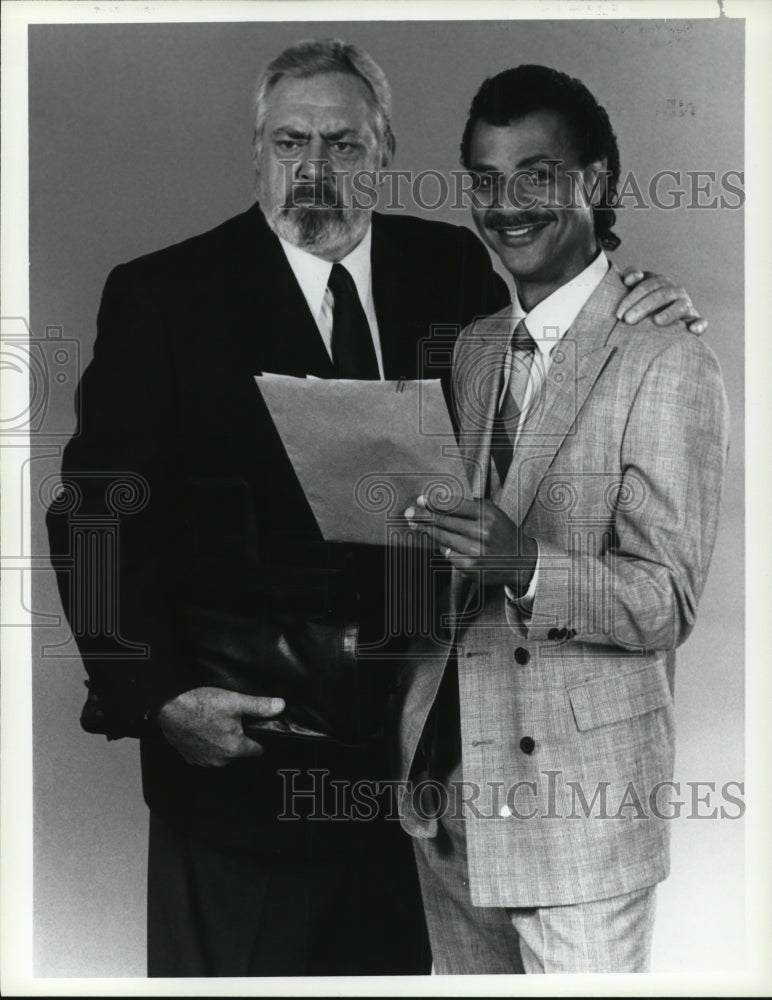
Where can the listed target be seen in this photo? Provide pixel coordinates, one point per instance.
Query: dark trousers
(213, 911)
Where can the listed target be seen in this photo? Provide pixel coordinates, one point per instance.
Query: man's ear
(389, 148)
(256, 143)
(595, 180)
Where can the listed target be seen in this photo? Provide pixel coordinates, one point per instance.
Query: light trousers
(606, 935)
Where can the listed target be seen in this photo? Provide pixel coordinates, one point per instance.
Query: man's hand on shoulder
(655, 296)
(205, 725)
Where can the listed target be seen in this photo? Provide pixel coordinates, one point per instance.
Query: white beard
(321, 230)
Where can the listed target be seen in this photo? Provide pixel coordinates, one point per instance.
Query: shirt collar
(548, 321)
(313, 273)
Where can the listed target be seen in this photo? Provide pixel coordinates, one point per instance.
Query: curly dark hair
(517, 92)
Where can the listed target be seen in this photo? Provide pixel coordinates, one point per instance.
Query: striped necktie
(507, 420)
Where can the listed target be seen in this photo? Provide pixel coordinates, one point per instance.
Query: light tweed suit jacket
(566, 715)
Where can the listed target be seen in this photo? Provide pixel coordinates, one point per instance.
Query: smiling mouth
(521, 232)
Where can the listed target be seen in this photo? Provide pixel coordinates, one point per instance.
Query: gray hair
(327, 55)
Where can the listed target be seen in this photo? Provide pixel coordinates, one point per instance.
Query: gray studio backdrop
(140, 136)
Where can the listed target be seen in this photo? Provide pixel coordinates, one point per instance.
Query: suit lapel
(563, 400)
(577, 363)
(477, 384)
(393, 280)
(290, 342)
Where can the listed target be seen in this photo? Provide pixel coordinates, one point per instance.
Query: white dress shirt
(547, 324)
(313, 273)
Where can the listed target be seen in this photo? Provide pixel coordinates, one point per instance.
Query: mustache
(313, 195)
(513, 220)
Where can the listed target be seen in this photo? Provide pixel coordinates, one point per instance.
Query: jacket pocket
(606, 700)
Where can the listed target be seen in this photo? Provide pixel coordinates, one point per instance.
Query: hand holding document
(364, 450)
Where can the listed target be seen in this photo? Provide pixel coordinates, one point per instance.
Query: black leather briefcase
(309, 661)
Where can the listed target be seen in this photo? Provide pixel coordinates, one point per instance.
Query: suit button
(522, 655)
(527, 744)
(554, 633)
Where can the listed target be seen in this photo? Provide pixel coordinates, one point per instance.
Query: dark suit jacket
(210, 512)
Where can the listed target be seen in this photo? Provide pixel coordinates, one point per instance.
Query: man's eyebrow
(528, 161)
(484, 168)
(295, 133)
(340, 133)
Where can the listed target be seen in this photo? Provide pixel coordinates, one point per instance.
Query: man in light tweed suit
(542, 724)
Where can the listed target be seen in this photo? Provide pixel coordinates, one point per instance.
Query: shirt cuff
(526, 601)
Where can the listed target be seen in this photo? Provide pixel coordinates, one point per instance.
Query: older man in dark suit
(231, 635)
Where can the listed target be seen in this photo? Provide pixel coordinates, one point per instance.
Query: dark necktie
(353, 354)
(507, 419)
